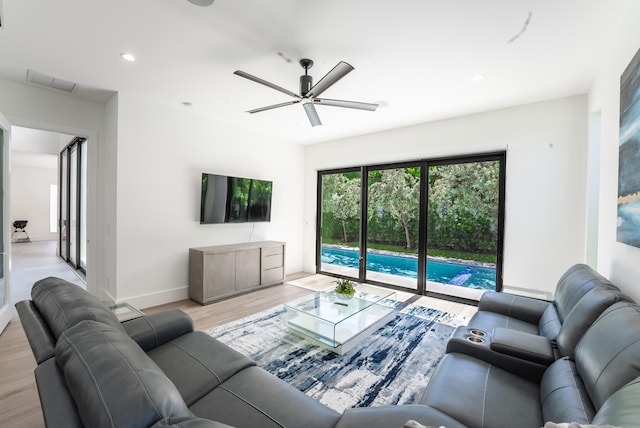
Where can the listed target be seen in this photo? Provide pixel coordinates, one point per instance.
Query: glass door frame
(361, 260)
(76, 181)
(424, 165)
(364, 225)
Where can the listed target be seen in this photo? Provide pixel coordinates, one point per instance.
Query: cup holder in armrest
(476, 332)
(474, 339)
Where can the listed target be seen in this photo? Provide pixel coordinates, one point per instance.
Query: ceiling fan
(309, 93)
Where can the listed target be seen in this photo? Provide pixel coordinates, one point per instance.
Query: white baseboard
(155, 299)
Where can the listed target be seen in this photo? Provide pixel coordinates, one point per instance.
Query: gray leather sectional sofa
(576, 359)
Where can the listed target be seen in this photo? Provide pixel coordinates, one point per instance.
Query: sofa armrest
(522, 345)
(465, 341)
(151, 331)
(395, 416)
(58, 407)
(523, 308)
(38, 334)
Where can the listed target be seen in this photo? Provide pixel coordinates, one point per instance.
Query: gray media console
(223, 271)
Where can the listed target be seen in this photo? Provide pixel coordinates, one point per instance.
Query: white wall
(30, 200)
(617, 261)
(546, 146)
(161, 154)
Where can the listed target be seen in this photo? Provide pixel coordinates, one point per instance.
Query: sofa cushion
(112, 381)
(621, 409)
(563, 395)
(197, 363)
(405, 416)
(480, 395)
(608, 355)
(188, 423)
(63, 305)
(255, 398)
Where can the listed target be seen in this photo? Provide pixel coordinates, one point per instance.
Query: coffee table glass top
(334, 319)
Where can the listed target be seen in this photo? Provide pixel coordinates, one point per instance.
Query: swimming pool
(444, 272)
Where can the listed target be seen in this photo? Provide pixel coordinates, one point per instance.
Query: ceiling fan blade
(337, 73)
(265, 83)
(347, 104)
(259, 109)
(312, 114)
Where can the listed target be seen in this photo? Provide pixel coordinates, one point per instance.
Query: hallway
(32, 261)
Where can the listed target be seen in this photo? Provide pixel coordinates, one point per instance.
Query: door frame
(6, 310)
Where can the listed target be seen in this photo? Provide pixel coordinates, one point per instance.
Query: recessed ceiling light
(187, 104)
(127, 57)
(478, 77)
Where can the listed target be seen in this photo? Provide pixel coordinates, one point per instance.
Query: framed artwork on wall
(628, 227)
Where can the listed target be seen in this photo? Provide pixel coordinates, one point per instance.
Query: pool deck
(408, 283)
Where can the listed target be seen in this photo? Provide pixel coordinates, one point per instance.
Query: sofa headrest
(112, 381)
(63, 305)
(583, 315)
(608, 355)
(577, 281)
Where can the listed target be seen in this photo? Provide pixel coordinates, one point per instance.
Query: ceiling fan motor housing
(306, 82)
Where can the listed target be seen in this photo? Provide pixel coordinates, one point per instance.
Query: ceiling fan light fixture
(312, 114)
(201, 2)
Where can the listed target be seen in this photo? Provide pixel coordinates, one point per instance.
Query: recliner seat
(481, 395)
(582, 294)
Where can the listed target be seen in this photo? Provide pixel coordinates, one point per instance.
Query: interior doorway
(36, 189)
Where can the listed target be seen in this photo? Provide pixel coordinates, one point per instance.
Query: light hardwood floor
(19, 404)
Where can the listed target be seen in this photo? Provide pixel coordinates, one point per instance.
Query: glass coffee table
(338, 322)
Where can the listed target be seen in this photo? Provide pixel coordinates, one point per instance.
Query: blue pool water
(482, 278)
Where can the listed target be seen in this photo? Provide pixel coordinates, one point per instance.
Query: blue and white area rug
(392, 366)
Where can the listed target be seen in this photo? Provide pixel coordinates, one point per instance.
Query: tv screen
(228, 199)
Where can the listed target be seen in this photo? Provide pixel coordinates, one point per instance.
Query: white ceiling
(415, 57)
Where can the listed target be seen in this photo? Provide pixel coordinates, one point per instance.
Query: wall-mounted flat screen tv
(226, 199)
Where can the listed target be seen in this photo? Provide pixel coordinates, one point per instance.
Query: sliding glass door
(339, 222)
(431, 226)
(73, 184)
(393, 214)
(464, 226)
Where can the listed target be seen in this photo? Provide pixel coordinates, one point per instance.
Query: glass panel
(73, 204)
(392, 226)
(462, 228)
(83, 205)
(340, 223)
(64, 214)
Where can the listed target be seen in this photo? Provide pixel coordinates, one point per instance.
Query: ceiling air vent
(50, 82)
